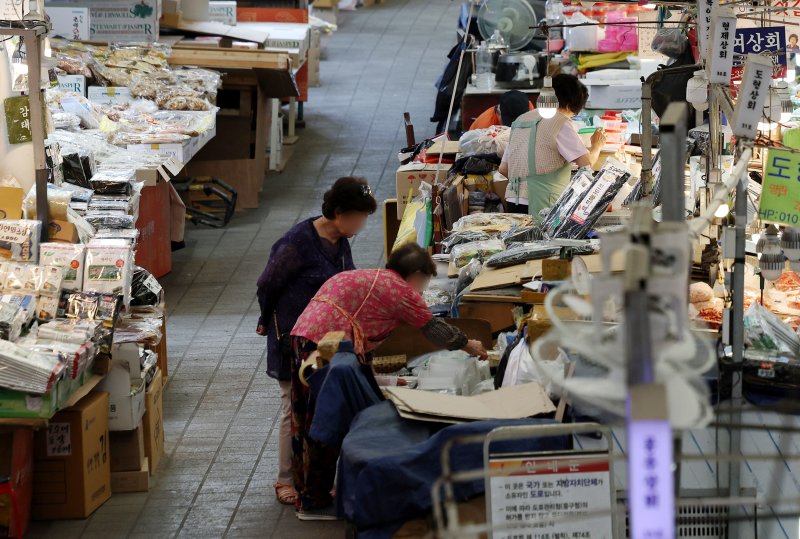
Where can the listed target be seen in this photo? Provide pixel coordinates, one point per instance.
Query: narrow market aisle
(220, 407)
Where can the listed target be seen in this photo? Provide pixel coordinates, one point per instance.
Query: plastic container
(484, 79)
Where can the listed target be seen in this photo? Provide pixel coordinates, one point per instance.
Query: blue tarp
(388, 465)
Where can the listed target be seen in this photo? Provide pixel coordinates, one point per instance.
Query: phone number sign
(780, 193)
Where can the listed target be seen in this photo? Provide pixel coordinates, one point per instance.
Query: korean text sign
(770, 40)
(551, 497)
(780, 195)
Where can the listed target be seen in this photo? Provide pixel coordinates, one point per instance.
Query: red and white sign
(549, 497)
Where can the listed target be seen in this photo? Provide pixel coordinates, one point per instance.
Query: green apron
(543, 189)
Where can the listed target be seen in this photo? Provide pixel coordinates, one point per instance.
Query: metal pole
(34, 59)
(737, 342)
(647, 138)
(673, 161)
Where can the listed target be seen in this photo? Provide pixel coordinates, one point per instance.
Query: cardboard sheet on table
(515, 402)
(502, 277)
(449, 147)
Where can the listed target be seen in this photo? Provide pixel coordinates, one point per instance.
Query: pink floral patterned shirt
(378, 299)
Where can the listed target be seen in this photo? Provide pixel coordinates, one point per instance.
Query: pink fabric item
(382, 307)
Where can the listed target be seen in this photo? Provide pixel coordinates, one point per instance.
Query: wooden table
(475, 101)
(247, 121)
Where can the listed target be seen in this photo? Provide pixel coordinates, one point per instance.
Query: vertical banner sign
(769, 41)
(751, 97)
(780, 196)
(652, 498)
(704, 8)
(533, 491)
(723, 32)
(18, 119)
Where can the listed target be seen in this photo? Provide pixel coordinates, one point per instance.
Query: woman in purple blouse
(301, 261)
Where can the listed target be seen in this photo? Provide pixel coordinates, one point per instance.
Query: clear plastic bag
(670, 42)
(464, 253)
(466, 236)
(765, 331)
(497, 221)
(522, 253)
(70, 257)
(58, 200)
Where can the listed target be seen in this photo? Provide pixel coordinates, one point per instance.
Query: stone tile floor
(220, 408)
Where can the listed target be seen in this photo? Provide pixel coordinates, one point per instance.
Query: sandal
(286, 494)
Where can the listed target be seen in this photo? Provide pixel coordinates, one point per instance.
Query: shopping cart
(209, 201)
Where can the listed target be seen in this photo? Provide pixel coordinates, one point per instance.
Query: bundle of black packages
(638, 190)
(521, 234)
(466, 236)
(605, 187)
(522, 252)
(578, 187)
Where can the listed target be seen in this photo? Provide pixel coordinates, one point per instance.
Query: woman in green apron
(541, 151)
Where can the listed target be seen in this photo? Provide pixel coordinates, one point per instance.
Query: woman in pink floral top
(367, 305)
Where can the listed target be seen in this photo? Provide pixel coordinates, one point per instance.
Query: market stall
(653, 299)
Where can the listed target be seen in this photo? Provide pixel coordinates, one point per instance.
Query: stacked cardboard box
(72, 468)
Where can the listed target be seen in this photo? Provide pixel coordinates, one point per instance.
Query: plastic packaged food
(145, 289)
(109, 268)
(19, 240)
(58, 200)
(110, 220)
(765, 331)
(578, 187)
(523, 253)
(104, 183)
(462, 254)
(467, 236)
(498, 221)
(68, 256)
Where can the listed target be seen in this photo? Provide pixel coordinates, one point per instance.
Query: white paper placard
(14, 232)
(541, 487)
(652, 496)
(724, 35)
(59, 441)
(752, 95)
(69, 22)
(13, 10)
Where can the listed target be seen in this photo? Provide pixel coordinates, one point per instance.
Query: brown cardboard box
(16, 463)
(127, 450)
(11, 202)
(409, 177)
(63, 231)
(72, 469)
(135, 481)
(153, 422)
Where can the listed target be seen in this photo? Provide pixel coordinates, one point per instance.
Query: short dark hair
(410, 259)
(571, 93)
(513, 104)
(348, 194)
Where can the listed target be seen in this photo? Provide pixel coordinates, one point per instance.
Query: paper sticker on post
(752, 95)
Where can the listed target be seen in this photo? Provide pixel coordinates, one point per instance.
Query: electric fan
(515, 19)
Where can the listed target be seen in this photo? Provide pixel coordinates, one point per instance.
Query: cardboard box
(224, 12)
(16, 463)
(614, 95)
(123, 20)
(153, 422)
(70, 22)
(410, 176)
(72, 83)
(515, 402)
(109, 95)
(133, 481)
(11, 202)
(62, 231)
(127, 450)
(72, 469)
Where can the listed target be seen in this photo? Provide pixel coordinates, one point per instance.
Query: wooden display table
(238, 155)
